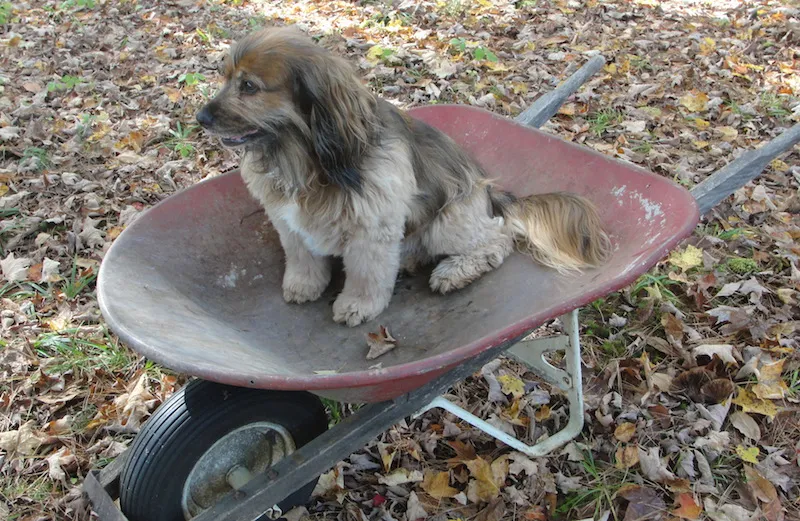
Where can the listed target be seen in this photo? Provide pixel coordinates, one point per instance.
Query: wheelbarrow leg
(531, 353)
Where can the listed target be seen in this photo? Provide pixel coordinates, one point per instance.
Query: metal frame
(258, 496)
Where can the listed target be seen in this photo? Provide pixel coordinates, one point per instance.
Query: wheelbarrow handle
(548, 104)
(725, 181)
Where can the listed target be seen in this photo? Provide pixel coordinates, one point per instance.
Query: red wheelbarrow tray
(194, 284)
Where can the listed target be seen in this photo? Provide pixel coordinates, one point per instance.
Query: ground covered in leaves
(692, 373)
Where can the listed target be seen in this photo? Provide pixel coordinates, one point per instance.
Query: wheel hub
(232, 461)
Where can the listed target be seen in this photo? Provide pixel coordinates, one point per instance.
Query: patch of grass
(738, 110)
(40, 156)
(479, 53)
(656, 285)
(741, 265)
(6, 11)
(600, 122)
(456, 8)
(70, 352)
(774, 105)
(77, 281)
(179, 142)
(643, 148)
(67, 82)
(614, 348)
(77, 5)
(523, 4)
(641, 64)
(793, 382)
(600, 491)
(334, 409)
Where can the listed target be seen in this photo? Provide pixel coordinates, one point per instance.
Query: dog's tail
(559, 230)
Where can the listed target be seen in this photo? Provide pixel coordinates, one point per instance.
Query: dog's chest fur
(326, 218)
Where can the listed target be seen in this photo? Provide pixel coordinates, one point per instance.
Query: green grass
(67, 82)
(191, 78)
(774, 105)
(793, 382)
(658, 284)
(6, 10)
(600, 122)
(741, 265)
(41, 158)
(70, 352)
(600, 491)
(77, 281)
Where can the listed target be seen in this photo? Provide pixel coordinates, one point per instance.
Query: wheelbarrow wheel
(208, 439)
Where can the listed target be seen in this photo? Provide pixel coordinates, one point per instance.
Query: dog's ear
(341, 115)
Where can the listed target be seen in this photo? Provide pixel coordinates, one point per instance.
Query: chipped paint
(230, 279)
(618, 191)
(651, 209)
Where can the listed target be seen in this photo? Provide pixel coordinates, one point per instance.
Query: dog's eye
(248, 87)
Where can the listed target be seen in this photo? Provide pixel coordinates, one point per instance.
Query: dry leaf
(759, 485)
(56, 461)
(687, 507)
(723, 351)
(689, 258)
(387, 453)
(483, 487)
(749, 402)
(644, 504)
(745, 424)
(400, 477)
(624, 432)
(511, 385)
(437, 485)
(694, 100)
(653, 467)
(15, 269)
(748, 455)
(770, 382)
(728, 133)
(380, 343)
(627, 457)
(414, 510)
(23, 441)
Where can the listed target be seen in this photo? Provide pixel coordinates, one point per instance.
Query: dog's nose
(204, 117)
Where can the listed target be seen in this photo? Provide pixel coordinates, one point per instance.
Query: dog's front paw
(450, 275)
(354, 310)
(298, 290)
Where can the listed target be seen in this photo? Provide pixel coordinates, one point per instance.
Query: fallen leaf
(644, 504)
(728, 133)
(380, 343)
(627, 457)
(749, 402)
(745, 424)
(493, 512)
(770, 382)
(694, 100)
(624, 432)
(464, 453)
(437, 485)
(522, 463)
(15, 269)
(653, 467)
(414, 509)
(687, 507)
(759, 485)
(512, 385)
(723, 351)
(387, 453)
(482, 488)
(63, 457)
(331, 482)
(748, 455)
(400, 477)
(24, 441)
(689, 258)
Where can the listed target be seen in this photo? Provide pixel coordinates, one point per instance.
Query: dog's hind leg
(474, 241)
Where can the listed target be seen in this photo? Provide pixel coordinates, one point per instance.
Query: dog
(343, 173)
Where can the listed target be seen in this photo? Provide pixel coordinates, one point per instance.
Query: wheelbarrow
(194, 284)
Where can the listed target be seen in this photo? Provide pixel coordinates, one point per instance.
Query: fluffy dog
(341, 172)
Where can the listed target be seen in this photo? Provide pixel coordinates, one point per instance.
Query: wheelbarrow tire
(187, 425)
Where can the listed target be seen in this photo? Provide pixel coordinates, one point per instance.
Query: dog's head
(278, 82)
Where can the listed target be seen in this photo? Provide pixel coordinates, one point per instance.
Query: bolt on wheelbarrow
(194, 284)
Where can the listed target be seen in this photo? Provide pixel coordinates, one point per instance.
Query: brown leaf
(437, 485)
(687, 507)
(673, 327)
(759, 485)
(627, 457)
(770, 381)
(691, 382)
(494, 512)
(624, 432)
(482, 488)
(745, 424)
(464, 452)
(644, 504)
(653, 467)
(380, 343)
(718, 390)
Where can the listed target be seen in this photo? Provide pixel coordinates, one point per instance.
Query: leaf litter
(90, 139)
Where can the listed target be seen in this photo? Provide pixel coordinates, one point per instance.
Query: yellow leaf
(689, 258)
(483, 487)
(779, 166)
(437, 485)
(114, 232)
(542, 414)
(700, 144)
(519, 87)
(611, 68)
(387, 455)
(701, 124)
(374, 54)
(511, 385)
(174, 95)
(567, 109)
(770, 383)
(627, 457)
(624, 432)
(708, 45)
(728, 133)
(749, 402)
(3, 189)
(749, 455)
(694, 100)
